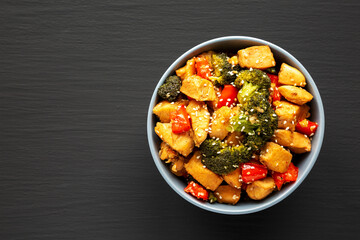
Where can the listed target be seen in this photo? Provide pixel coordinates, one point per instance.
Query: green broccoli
(170, 89)
(211, 147)
(251, 81)
(254, 142)
(212, 198)
(258, 102)
(222, 69)
(271, 70)
(258, 127)
(256, 118)
(270, 123)
(226, 159)
(243, 123)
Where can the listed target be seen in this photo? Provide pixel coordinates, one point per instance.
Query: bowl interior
(304, 161)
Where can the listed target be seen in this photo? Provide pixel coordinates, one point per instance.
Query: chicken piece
(301, 143)
(289, 114)
(213, 104)
(203, 175)
(164, 108)
(198, 88)
(291, 76)
(234, 138)
(220, 121)
(295, 95)
(188, 70)
(259, 57)
(183, 142)
(260, 189)
(234, 60)
(296, 142)
(178, 166)
(233, 178)
(200, 119)
(167, 153)
(227, 194)
(275, 157)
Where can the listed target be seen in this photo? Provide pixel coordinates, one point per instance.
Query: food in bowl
(230, 124)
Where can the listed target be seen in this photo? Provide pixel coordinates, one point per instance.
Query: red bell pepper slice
(289, 176)
(197, 191)
(306, 127)
(253, 171)
(274, 79)
(228, 96)
(202, 66)
(180, 120)
(275, 94)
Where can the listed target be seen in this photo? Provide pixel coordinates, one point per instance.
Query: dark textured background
(76, 78)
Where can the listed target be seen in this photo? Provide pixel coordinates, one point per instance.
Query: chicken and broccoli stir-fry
(230, 124)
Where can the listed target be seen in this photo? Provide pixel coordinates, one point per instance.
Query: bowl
(304, 162)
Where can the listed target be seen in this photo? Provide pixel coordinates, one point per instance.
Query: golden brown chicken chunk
(233, 178)
(200, 119)
(183, 142)
(259, 57)
(260, 189)
(203, 175)
(275, 157)
(198, 88)
(295, 95)
(296, 142)
(289, 75)
(220, 121)
(289, 114)
(164, 108)
(188, 70)
(227, 194)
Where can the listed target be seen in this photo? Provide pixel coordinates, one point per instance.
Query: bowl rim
(281, 196)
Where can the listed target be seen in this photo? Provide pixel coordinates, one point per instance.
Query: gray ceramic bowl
(305, 161)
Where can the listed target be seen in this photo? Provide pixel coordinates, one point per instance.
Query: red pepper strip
(253, 171)
(202, 66)
(274, 79)
(306, 127)
(289, 176)
(180, 120)
(197, 191)
(275, 95)
(228, 96)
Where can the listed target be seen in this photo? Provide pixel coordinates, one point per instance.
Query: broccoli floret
(210, 147)
(258, 127)
(237, 68)
(251, 81)
(269, 121)
(170, 89)
(271, 70)
(212, 198)
(223, 159)
(243, 153)
(222, 69)
(254, 142)
(257, 103)
(243, 122)
(256, 119)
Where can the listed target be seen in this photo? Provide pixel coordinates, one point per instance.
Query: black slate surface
(76, 78)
